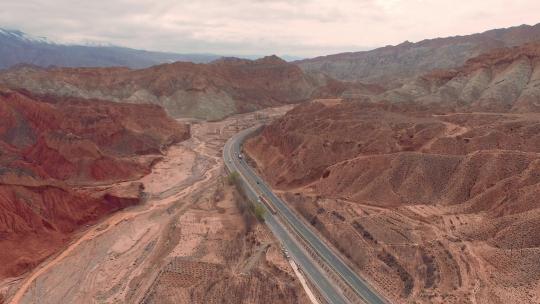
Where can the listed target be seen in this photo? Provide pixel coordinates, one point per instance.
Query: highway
(254, 186)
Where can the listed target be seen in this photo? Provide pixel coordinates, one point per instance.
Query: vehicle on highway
(299, 231)
(285, 252)
(269, 205)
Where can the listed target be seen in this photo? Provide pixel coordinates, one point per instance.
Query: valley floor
(188, 243)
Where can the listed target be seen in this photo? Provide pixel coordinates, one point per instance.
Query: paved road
(257, 186)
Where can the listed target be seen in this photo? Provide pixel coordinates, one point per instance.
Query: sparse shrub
(244, 209)
(233, 178)
(242, 201)
(259, 212)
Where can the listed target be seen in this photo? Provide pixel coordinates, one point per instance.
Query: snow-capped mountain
(16, 34)
(17, 47)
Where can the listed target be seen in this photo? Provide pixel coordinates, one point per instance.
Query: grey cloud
(295, 27)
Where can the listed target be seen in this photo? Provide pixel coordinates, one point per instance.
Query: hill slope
(207, 91)
(505, 79)
(426, 205)
(54, 157)
(395, 63)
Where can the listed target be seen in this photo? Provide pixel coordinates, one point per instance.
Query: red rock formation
(48, 149)
(208, 91)
(456, 191)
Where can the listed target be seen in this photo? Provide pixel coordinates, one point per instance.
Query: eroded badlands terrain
(431, 206)
(57, 162)
(502, 80)
(188, 242)
(207, 91)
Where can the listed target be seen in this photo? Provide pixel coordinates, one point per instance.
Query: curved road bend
(255, 186)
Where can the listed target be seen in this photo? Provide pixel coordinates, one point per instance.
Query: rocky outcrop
(206, 91)
(53, 157)
(392, 65)
(506, 79)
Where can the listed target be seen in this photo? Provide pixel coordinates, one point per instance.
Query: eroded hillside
(432, 205)
(392, 65)
(58, 162)
(506, 79)
(208, 91)
(192, 240)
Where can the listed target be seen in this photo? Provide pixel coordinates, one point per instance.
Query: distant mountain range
(506, 79)
(393, 64)
(427, 71)
(17, 47)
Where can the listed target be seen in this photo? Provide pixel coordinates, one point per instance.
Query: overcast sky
(302, 28)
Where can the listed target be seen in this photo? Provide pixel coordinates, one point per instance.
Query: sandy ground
(189, 213)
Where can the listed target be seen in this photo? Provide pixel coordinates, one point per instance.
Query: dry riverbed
(188, 243)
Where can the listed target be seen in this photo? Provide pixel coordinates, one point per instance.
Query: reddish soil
(57, 162)
(431, 206)
(207, 91)
(192, 240)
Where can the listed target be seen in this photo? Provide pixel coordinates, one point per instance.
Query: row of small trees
(244, 203)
